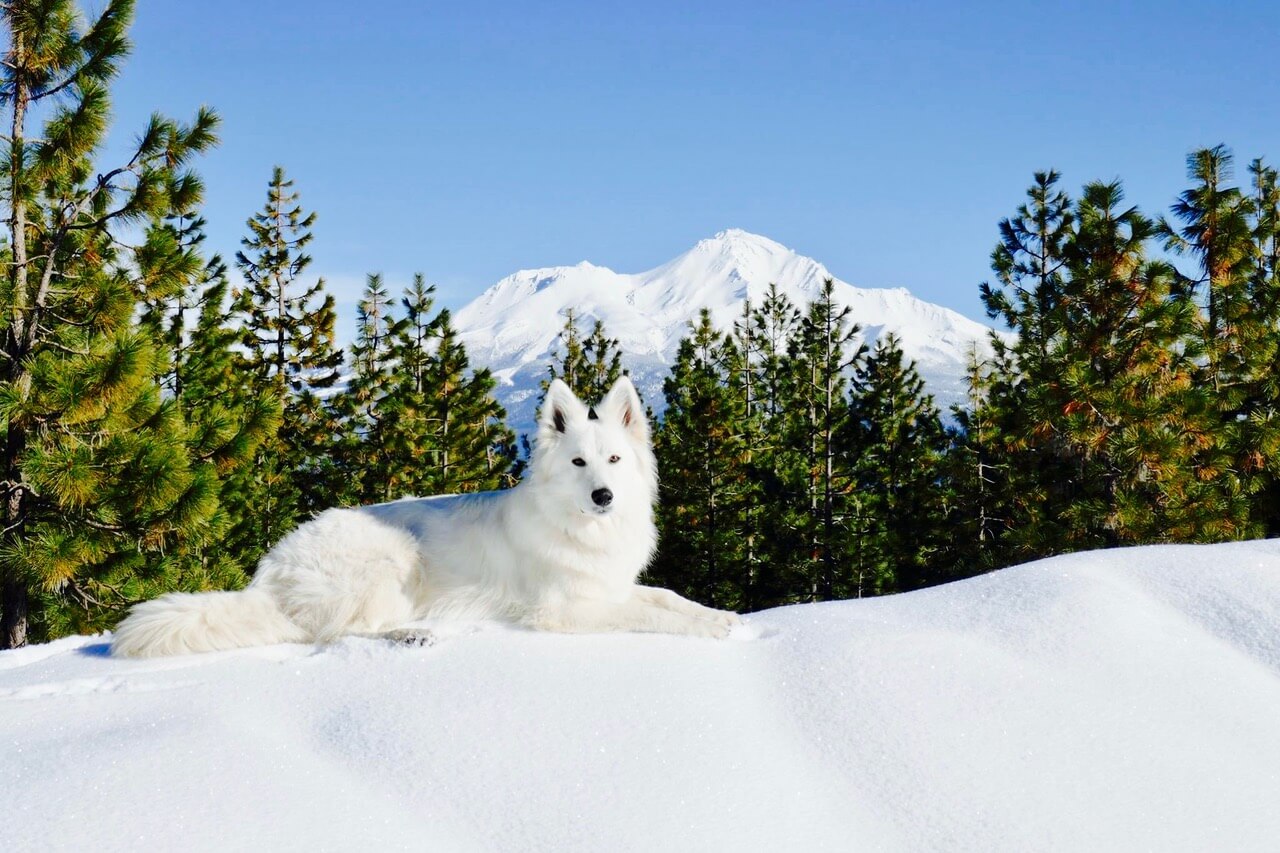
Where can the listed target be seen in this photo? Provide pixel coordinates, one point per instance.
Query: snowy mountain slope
(512, 327)
(1117, 700)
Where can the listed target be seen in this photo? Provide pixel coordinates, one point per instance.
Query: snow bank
(1119, 700)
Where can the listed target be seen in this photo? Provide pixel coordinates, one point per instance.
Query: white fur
(543, 555)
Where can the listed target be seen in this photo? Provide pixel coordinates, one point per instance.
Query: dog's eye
(613, 459)
(580, 462)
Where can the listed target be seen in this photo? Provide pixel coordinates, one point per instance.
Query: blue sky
(468, 140)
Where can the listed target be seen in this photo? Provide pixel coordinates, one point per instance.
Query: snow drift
(1115, 700)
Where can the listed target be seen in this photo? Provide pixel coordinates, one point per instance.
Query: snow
(1117, 700)
(512, 327)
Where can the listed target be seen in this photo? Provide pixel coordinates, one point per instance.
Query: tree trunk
(13, 615)
(13, 598)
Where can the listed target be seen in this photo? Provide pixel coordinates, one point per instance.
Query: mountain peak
(513, 328)
(731, 238)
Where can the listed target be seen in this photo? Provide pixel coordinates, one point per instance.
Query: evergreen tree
(229, 417)
(701, 452)
(773, 326)
(1030, 263)
(287, 336)
(604, 364)
(572, 364)
(743, 363)
(289, 348)
(977, 469)
(1238, 316)
(1263, 437)
(896, 446)
(818, 484)
(1101, 417)
(97, 476)
(409, 432)
(472, 448)
(1125, 405)
(590, 365)
(365, 454)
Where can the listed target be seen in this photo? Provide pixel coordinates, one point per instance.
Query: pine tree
(1102, 418)
(1264, 408)
(896, 445)
(701, 451)
(572, 365)
(604, 363)
(472, 449)
(1238, 317)
(289, 348)
(97, 474)
(978, 470)
(1125, 404)
(229, 417)
(590, 365)
(1030, 263)
(743, 361)
(773, 326)
(818, 484)
(409, 432)
(365, 454)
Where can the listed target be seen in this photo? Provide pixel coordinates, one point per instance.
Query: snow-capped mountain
(513, 326)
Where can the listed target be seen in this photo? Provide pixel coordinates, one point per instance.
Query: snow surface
(1121, 700)
(512, 327)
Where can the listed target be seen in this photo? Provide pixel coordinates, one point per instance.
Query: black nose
(602, 497)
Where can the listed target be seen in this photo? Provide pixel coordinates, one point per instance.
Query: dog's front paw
(416, 637)
(711, 628)
(726, 617)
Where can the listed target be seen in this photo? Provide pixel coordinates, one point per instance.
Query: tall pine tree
(896, 445)
(365, 452)
(97, 477)
(701, 453)
(1238, 318)
(288, 339)
(818, 484)
(471, 449)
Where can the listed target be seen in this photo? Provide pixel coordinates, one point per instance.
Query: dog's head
(595, 461)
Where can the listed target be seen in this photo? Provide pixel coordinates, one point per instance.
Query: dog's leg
(592, 617)
(410, 636)
(669, 600)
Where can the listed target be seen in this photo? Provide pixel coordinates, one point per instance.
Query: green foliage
(590, 365)
(896, 446)
(702, 455)
(473, 449)
(814, 475)
(363, 452)
(416, 418)
(103, 497)
(287, 338)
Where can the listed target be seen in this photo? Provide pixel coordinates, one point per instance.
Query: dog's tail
(181, 623)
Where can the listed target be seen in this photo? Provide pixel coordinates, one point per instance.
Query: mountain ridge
(513, 326)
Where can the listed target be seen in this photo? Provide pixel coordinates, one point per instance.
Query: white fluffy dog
(559, 552)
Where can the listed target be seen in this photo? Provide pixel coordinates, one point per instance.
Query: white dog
(559, 552)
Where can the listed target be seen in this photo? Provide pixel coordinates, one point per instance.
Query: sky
(468, 140)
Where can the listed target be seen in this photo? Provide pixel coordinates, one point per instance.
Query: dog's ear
(622, 405)
(559, 409)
